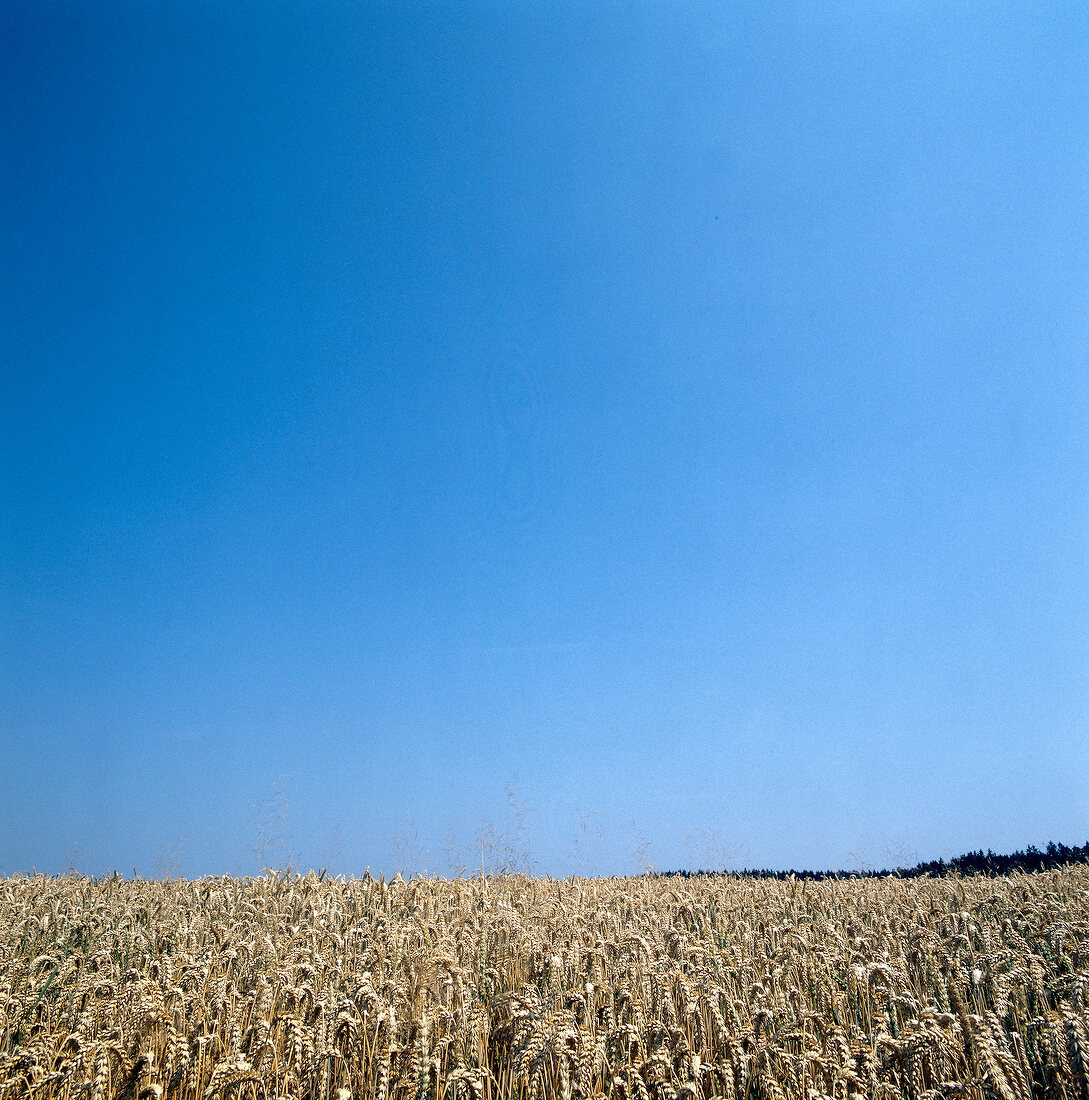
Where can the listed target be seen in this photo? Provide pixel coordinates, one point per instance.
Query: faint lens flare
(516, 418)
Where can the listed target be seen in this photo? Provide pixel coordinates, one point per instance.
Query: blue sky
(673, 414)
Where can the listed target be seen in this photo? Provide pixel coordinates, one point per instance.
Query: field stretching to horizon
(532, 988)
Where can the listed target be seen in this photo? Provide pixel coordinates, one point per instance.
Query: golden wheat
(515, 988)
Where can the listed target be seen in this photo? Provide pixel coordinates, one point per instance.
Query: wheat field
(517, 987)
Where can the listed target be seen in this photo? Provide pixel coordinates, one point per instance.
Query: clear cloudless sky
(672, 418)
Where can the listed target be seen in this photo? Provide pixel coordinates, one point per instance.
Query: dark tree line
(971, 863)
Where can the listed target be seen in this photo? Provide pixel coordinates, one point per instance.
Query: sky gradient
(675, 415)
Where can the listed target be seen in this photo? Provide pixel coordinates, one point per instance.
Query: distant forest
(972, 863)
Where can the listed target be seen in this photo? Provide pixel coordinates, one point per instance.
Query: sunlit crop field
(524, 987)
